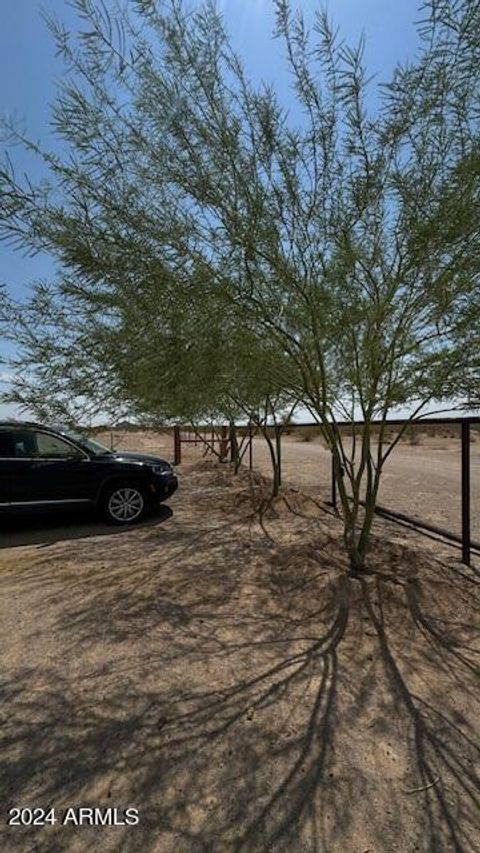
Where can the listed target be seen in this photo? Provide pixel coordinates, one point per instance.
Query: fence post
(250, 447)
(177, 446)
(466, 492)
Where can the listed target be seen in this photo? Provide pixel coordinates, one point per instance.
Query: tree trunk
(223, 444)
(278, 447)
(358, 539)
(234, 454)
(275, 463)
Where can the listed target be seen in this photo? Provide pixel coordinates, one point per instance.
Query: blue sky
(29, 70)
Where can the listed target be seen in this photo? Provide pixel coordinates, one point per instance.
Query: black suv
(43, 468)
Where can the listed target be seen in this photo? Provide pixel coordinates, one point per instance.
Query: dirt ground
(227, 678)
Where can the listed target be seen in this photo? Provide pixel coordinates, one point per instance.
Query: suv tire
(123, 503)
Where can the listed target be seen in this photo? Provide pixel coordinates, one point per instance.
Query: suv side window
(24, 444)
(6, 445)
(52, 447)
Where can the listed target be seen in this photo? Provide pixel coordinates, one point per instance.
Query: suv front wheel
(123, 503)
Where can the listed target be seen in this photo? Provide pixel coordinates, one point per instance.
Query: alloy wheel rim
(125, 504)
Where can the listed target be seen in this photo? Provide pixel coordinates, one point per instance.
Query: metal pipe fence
(223, 437)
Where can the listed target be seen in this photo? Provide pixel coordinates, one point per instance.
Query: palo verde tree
(318, 226)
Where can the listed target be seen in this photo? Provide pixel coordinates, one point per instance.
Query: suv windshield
(92, 446)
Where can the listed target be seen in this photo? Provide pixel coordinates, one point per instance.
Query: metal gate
(220, 441)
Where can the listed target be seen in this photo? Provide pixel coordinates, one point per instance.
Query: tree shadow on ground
(436, 652)
(245, 695)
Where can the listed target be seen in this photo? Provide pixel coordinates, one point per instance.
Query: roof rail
(16, 422)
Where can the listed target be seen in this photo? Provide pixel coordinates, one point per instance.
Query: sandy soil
(228, 680)
(422, 481)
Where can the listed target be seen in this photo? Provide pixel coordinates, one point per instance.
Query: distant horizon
(446, 415)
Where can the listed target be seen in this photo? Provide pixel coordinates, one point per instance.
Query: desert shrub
(414, 439)
(307, 433)
(288, 425)
(413, 435)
